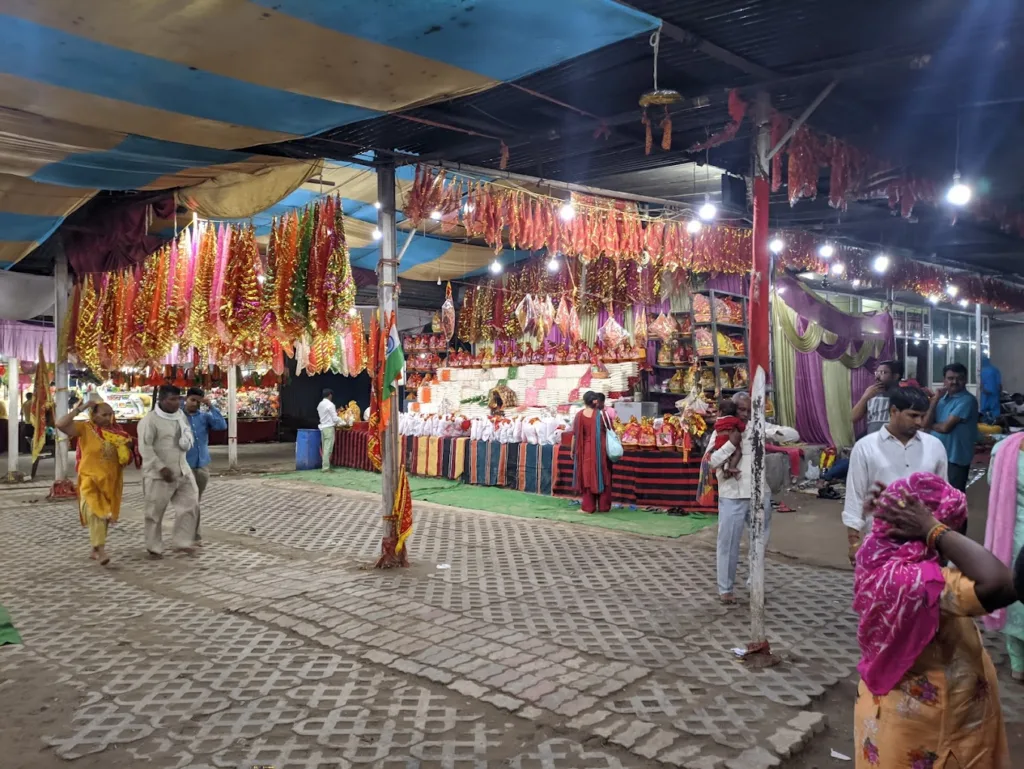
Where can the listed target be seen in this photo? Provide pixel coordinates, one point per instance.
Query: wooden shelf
(728, 360)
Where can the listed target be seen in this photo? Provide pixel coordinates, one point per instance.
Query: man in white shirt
(734, 500)
(874, 403)
(899, 449)
(327, 413)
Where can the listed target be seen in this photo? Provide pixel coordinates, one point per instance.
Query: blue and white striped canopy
(113, 95)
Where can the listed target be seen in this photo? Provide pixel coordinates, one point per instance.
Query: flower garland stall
(209, 299)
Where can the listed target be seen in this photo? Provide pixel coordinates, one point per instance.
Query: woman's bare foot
(92, 555)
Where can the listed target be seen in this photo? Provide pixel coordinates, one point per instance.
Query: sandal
(102, 557)
(727, 598)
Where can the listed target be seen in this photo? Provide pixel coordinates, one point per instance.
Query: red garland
(737, 111)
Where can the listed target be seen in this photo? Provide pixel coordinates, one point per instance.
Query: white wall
(1008, 355)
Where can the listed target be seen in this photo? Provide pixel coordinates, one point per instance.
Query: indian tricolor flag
(394, 361)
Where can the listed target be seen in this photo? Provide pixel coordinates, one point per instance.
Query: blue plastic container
(307, 450)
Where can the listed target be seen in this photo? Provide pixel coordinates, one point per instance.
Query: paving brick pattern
(542, 646)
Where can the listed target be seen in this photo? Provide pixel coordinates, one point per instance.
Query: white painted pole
(977, 359)
(13, 418)
(60, 368)
(233, 418)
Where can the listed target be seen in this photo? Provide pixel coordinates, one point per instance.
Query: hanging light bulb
(856, 283)
(776, 245)
(934, 298)
(952, 290)
(567, 212)
(377, 234)
(963, 303)
(693, 226)
(881, 264)
(496, 267)
(435, 215)
(827, 251)
(352, 312)
(553, 264)
(708, 211)
(838, 268)
(261, 279)
(959, 194)
(377, 205)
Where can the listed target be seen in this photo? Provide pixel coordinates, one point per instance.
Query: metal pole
(795, 126)
(759, 363)
(233, 418)
(13, 418)
(977, 359)
(387, 283)
(60, 368)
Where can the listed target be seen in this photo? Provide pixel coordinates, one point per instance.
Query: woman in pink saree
(928, 696)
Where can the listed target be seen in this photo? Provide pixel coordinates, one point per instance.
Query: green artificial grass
(8, 635)
(492, 499)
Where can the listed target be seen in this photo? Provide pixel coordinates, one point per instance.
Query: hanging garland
(203, 293)
(603, 235)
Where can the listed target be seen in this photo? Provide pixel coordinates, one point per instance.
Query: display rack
(716, 358)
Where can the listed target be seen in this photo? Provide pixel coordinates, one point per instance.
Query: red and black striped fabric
(350, 450)
(651, 478)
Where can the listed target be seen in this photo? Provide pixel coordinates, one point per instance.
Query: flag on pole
(375, 367)
(40, 403)
(402, 511)
(394, 360)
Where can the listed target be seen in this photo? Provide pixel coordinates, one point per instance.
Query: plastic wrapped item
(545, 319)
(562, 317)
(611, 334)
(666, 434)
(574, 325)
(663, 327)
(647, 437)
(526, 315)
(631, 433)
(640, 328)
(448, 315)
(740, 378)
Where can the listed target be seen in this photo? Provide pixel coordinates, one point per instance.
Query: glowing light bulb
(856, 283)
(963, 303)
(934, 298)
(708, 211)
(377, 234)
(776, 245)
(377, 205)
(838, 268)
(352, 312)
(959, 194)
(435, 215)
(261, 279)
(567, 212)
(553, 264)
(826, 251)
(496, 267)
(952, 290)
(693, 226)
(881, 264)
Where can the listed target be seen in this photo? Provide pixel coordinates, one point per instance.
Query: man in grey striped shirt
(874, 403)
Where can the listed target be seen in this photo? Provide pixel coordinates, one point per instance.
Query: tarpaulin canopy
(108, 95)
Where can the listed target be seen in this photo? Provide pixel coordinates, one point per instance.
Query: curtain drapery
(835, 377)
(851, 352)
(785, 370)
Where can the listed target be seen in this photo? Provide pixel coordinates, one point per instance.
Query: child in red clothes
(727, 422)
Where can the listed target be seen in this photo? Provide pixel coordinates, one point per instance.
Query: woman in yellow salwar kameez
(103, 451)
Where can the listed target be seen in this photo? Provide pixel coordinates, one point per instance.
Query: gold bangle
(936, 533)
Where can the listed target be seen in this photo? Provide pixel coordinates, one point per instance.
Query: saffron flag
(373, 439)
(402, 511)
(40, 403)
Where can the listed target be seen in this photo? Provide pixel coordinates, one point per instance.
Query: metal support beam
(795, 126)
(759, 324)
(717, 52)
(233, 418)
(61, 289)
(13, 418)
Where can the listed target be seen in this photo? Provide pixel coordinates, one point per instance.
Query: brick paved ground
(543, 646)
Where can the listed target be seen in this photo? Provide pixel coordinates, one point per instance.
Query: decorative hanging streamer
(737, 111)
(202, 295)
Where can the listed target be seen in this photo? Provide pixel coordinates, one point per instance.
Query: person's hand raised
(907, 516)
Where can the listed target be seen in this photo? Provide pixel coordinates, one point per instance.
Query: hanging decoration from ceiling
(207, 297)
(658, 97)
(604, 236)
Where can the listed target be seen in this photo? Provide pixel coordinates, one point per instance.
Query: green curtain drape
(785, 369)
(835, 377)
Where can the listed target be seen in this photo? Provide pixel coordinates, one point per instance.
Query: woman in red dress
(593, 470)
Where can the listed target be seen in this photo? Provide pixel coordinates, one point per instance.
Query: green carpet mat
(491, 499)
(8, 635)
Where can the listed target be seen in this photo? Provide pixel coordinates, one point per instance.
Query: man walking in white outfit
(164, 441)
(327, 413)
(898, 450)
(734, 500)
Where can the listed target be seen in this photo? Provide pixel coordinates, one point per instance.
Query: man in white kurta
(164, 440)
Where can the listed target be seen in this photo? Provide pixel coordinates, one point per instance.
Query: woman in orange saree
(104, 449)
